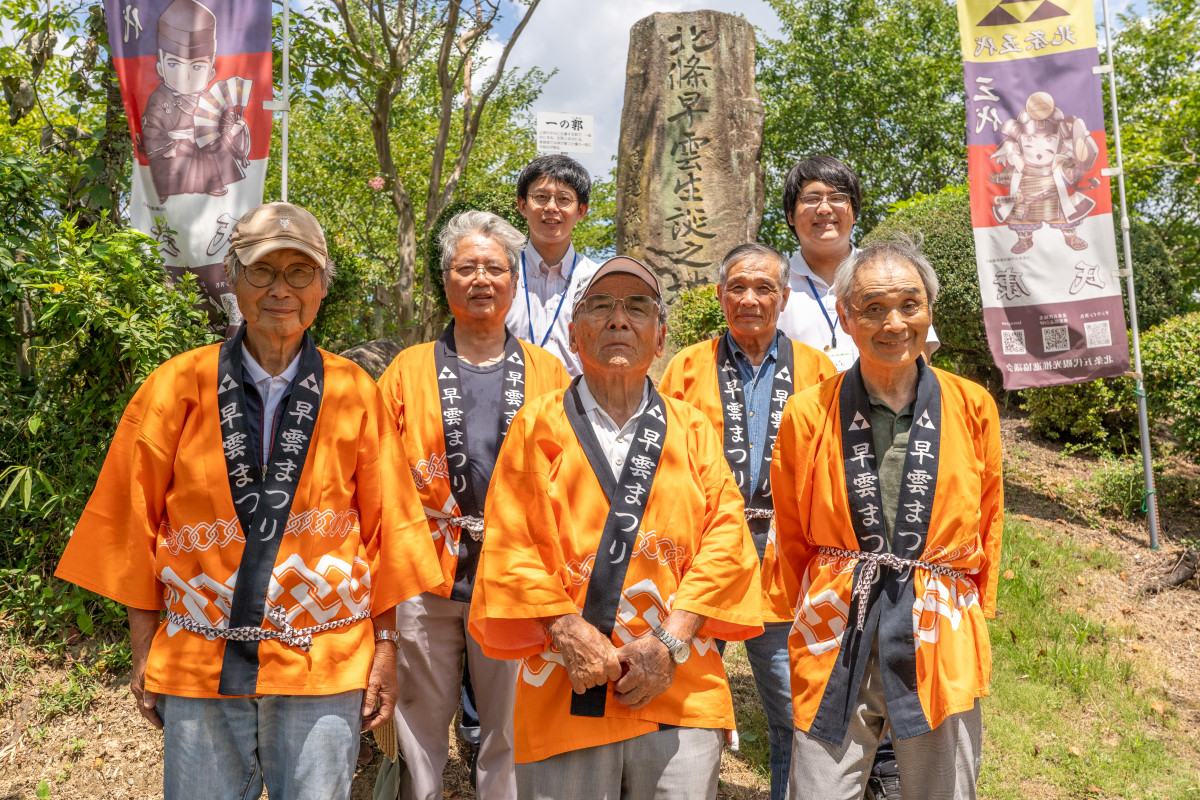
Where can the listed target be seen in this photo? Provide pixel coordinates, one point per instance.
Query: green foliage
(877, 84)
(596, 234)
(498, 198)
(1171, 364)
(1158, 88)
(1100, 413)
(100, 317)
(695, 316)
(1119, 487)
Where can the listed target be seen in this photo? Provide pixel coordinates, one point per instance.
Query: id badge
(842, 358)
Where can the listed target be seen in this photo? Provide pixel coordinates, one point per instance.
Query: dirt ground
(105, 750)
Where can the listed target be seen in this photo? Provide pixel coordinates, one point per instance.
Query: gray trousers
(433, 638)
(940, 765)
(670, 764)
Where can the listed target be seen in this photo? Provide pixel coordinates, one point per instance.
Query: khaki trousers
(433, 638)
(940, 765)
(669, 764)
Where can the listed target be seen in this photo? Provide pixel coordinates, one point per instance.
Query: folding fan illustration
(231, 93)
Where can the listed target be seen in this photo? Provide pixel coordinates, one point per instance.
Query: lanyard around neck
(557, 311)
(812, 287)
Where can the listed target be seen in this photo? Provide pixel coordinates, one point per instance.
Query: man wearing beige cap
(615, 553)
(256, 492)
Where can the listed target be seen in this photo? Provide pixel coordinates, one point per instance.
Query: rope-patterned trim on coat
(295, 637)
(863, 588)
(473, 525)
(760, 513)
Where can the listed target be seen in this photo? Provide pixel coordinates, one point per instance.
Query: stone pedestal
(689, 177)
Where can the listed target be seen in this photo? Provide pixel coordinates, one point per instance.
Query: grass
(1070, 715)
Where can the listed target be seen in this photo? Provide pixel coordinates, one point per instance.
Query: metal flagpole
(284, 106)
(1150, 503)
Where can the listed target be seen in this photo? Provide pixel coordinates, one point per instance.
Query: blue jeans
(768, 656)
(302, 747)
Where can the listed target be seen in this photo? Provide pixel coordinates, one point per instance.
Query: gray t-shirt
(483, 390)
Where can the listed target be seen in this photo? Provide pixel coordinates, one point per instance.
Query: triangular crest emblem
(516, 357)
(925, 421)
(446, 374)
(784, 375)
(310, 383)
(226, 384)
(859, 423)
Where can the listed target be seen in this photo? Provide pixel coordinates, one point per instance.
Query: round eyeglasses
(297, 275)
(638, 307)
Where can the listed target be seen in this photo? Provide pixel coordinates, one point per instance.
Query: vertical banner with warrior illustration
(1040, 206)
(193, 80)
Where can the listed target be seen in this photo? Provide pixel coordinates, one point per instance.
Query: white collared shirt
(544, 299)
(803, 321)
(614, 441)
(270, 389)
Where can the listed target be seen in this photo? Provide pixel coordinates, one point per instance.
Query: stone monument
(689, 178)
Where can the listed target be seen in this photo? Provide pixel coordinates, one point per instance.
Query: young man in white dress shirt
(822, 198)
(552, 195)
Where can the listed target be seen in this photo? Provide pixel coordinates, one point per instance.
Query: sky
(588, 42)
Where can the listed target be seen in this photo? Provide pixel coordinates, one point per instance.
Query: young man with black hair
(552, 195)
(822, 198)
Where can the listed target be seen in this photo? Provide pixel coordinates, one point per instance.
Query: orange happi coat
(410, 392)
(692, 377)
(953, 654)
(545, 514)
(160, 531)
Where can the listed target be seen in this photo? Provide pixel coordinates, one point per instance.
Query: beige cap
(621, 264)
(275, 226)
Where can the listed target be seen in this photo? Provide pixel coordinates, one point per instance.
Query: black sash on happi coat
(454, 430)
(627, 499)
(262, 496)
(737, 440)
(890, 609)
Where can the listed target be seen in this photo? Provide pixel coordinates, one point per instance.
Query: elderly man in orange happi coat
(257, 492)
(888, 511)
(615, 553)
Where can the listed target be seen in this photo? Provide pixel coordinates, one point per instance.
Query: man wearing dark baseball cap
(280, 580)
(615, 553)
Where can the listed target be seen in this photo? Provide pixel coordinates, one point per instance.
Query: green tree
(1158, 87)
(875, 83)
(411, 60)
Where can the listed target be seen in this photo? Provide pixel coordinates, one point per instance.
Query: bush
(695, 316)
(944, 219)
(1100, 413)
(101, 317)
(1120, 488)
(1171, 365)
(498, 198)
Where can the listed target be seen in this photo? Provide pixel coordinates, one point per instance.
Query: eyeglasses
(638, 307)
(493, 270)
(297, 275)
(565, 202)
(837, 199)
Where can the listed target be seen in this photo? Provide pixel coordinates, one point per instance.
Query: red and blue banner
(1041, 207)
(193, 77)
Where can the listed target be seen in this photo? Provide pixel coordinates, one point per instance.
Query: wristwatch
(388, 636)
(679, 650)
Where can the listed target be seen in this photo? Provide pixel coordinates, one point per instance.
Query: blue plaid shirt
(756, 385)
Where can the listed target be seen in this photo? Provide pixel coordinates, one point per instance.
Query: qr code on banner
(1056, 339)
(1098, 334)
(1013, 342)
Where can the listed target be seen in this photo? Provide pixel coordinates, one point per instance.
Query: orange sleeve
(991, 506)
(673, 379)
(391, 386)
(791, 489)
(522, 571)
(399, 550)
(112, 549)
(722, 583)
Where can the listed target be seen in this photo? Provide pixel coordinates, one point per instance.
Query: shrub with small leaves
(1100, 413)
(1171, 363)
(695, 316)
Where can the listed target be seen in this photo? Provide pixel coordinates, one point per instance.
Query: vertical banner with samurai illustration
(1040, 207)
(193, 80)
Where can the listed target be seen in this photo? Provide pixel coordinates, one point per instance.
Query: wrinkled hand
(588, 655)
(651, 671)
(145, 700)
(379, 700)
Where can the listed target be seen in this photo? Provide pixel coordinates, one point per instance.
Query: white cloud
(588, 42)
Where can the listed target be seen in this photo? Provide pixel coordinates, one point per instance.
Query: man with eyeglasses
(552, 196)
(822, 198)
(615, 553)
(741, 381)
(453, 400)
(256, 492)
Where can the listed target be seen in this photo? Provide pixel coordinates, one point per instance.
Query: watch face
(680, 652)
